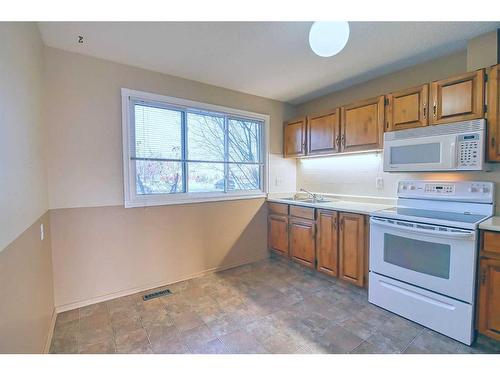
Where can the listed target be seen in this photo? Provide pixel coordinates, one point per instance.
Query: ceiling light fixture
(328, 38)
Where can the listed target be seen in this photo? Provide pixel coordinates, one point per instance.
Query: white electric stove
(423, 253)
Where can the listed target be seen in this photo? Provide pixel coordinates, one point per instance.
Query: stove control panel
(460, 191)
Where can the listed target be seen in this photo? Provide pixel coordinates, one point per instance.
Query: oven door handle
(383, 223)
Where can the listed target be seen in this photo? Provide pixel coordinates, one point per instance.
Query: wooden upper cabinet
(489, 298)
(327, 242)
(294, 139)
(352, 248)
(277, 234)
(458, 98)
(362, 125)
(407, 109)
(493, 113)
(302, 241)
(323, 133)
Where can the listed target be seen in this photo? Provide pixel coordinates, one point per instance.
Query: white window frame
(132, 199)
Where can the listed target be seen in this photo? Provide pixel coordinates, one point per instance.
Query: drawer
(303, 212)
(277, 208)
(491, 242)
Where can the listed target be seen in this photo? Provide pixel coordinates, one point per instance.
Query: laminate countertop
(493, 224)
(357, 207)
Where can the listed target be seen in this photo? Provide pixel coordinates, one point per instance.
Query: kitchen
(186, 217)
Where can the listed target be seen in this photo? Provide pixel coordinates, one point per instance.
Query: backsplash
(356, 174)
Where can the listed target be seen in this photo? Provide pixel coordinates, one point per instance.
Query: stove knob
(484, 189)
(412, 187)
(472, 189)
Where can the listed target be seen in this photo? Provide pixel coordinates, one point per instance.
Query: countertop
(365, 208)
(493, 224)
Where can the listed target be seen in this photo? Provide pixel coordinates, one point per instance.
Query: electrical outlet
(379, 183)
(42, 233)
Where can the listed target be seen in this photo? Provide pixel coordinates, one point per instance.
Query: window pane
(244, 177)
(205, 177)
(158, 177)
(157, 132)
(205, 137)
(244, 142)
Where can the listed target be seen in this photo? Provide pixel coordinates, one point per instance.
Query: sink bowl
(326, 200)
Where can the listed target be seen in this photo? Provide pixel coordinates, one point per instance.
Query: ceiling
(269, 59)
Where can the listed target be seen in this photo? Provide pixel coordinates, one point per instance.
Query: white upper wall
(83, 122)
(23, 182)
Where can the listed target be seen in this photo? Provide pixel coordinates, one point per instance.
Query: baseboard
(123, 293)
(46, 348)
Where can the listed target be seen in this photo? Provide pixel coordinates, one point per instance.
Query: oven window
(420, 154)
(420, 256)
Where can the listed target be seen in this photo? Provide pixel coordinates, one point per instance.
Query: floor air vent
(160, 293)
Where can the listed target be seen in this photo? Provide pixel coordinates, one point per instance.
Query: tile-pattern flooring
(272, 306)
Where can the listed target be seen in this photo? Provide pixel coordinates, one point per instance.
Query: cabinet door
(302, 241)
(407, 109)
(323, 134)
(489, 298)
(493, 113)
(362, 125)
(277, 234)
(294, 138)
(458, 98)
(327, 242)
(352, 248)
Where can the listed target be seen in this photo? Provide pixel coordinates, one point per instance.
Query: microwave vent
(427, 131)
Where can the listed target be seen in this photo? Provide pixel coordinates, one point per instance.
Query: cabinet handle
(343, 139)
(337, 141)
(335, 223)
(342, 224)
(425, 111)
(483, 276)
(434, 109)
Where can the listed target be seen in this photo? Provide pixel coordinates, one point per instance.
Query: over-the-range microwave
(459, 146)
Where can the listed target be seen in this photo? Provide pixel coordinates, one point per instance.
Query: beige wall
(26, 291)
(83, 121)
(22, 171)
(416, 75)
(102, 251)
(356, 174)
(100, 248)
(26, 288)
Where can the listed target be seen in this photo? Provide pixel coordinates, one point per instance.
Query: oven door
(433, 257)
(431, 153)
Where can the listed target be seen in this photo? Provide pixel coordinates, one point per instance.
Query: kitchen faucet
(314, 197)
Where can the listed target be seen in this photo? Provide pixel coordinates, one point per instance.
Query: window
(179, 151)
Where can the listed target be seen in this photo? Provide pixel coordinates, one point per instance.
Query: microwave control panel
(468, 150)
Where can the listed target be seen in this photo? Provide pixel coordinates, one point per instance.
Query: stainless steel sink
(326, 200)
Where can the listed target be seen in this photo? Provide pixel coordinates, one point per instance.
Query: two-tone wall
(101, 249)
(26, 287)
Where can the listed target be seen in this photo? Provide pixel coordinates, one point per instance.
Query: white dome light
(328, 38)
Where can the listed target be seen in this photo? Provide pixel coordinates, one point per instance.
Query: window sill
(157, 201)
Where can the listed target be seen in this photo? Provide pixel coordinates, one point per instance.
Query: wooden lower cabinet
(277, 234)
(488, 308)
(302, 241)
(327, 250)
(335, 243)
(352, 248)
(489, 298)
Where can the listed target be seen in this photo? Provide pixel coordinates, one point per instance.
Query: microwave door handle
(423, 231)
